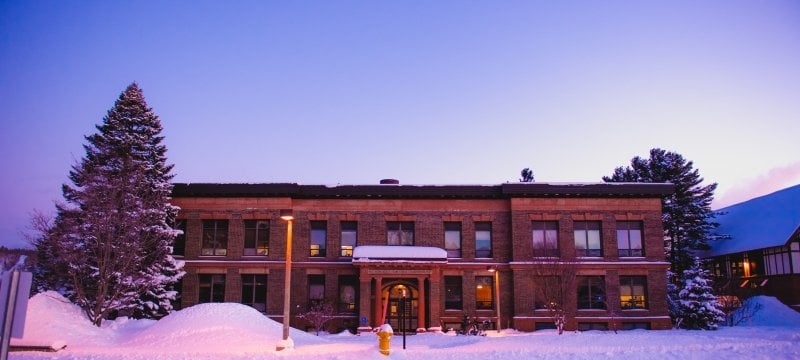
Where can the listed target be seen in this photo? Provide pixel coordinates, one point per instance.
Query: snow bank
(199, 329)
(773, 313)
(52, 317)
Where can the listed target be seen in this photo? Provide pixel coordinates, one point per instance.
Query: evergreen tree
(112, 230)
(696, 307)
(687, 214)
(527, 175)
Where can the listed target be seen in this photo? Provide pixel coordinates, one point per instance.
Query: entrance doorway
(398, 296)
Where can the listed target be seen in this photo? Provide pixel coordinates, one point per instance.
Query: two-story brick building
(520, 251)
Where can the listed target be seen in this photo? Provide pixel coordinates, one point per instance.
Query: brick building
(511, 250)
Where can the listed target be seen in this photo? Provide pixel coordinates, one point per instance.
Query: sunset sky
(428, 92)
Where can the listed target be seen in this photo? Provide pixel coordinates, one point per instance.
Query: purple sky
(427, 92)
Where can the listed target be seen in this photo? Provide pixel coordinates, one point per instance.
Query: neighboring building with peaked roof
(503, 253)
(759, 252)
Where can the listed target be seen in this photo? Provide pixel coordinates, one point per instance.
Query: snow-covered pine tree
(112, 229)
(687, 214)
(696, 305)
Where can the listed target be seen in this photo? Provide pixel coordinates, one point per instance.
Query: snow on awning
(399, 253)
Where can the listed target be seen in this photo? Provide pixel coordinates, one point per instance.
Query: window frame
(632, 281)
(215, 286)
(179, 242)
(453, 287)
(347, 227)
(260, 238)
(256, 286)
(591, 293)
(483, 227)
(452, 228)
(218, 237)
(624, 245)
(586, 228)
(483, 304)
(402, 230)
(343, 306)
(315, 280)
(545, 228)
(316, 230)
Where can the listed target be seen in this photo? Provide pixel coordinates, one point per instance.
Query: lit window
(484, 294)
(349, 238)
(256, 237)
(215, 237)
(347, 293)
(316, 290)
(319, 234)
(633, 292)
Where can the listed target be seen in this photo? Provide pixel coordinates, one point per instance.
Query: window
(547, 293)
(349, 238)
(586, 326)
(777, 260)
(256, 237)
(400, 233)
(629, 238)
(452, 293)
(633, 292)
(254, 291)
(484, 292)
(319, 234)
(212, 288)
(316, 290)
(179, 244)
(545, 238)
(215, 237)
(483, 240)
(347, 294)
(591, 292)
(587, 239)
(452, 239)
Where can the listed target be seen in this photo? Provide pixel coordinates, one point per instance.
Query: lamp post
(286, 215)
(493, 269)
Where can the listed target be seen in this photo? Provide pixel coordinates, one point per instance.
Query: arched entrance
(396, 295)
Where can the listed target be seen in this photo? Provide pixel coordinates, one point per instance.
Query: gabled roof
(766, 221)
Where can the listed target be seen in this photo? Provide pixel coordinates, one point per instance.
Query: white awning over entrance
(399, 253)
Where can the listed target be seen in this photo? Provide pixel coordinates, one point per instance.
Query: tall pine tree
(687, 214)
(113, 228)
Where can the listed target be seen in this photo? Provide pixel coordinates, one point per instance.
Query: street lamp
(286, 215)
(493, 269)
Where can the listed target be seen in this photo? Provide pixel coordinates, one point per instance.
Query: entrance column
(421, 303)
(377, 303)
(365, 284)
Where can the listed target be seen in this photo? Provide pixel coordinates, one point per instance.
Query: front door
(401, 312)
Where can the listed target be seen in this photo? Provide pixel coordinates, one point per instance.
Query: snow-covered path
(233, 331)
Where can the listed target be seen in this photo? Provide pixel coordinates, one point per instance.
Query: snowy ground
(233, 331)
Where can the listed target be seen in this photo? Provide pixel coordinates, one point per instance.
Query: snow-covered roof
(414, 253)
(763, 222)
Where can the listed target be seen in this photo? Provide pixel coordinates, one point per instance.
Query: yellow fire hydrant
(385, 333)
